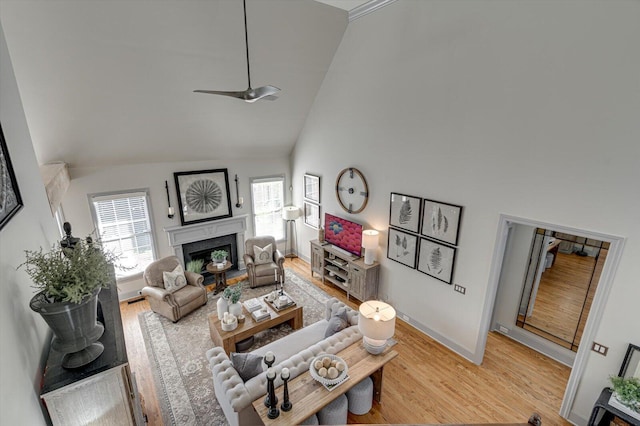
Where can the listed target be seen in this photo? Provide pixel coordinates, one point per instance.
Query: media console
(345, 271)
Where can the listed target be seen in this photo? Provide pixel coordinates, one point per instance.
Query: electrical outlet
(504, 329)
(459, 288)
(601, 349)
(405, 317)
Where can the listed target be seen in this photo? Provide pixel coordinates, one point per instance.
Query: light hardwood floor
(426, 383)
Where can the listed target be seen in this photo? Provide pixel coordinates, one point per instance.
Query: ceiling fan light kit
(250, 95)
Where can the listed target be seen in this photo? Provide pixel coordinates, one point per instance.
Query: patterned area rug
(181, 373)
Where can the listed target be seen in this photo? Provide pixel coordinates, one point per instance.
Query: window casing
(123, 223)
(267, 197)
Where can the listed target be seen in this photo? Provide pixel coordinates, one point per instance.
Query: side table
(219, 275)
(602, 404)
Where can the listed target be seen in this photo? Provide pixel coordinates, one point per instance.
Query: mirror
(560, 281)
(631, 364)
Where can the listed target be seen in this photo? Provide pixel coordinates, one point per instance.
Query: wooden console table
(309, 396)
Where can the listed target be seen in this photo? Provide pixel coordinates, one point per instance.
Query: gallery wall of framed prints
(423, 234)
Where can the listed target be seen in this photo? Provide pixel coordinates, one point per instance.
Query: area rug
(184, 385)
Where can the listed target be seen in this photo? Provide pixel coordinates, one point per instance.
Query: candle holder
(271, 394)
(238, 197)
(269, 359)
(286, 404)
(170, 211)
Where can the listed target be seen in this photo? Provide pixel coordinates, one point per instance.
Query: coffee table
(228, 339)
(309, 396)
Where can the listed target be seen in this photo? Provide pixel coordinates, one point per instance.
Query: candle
(271, 373)
(269, 357)
(240, 200)
(171, 211)
(285, 373)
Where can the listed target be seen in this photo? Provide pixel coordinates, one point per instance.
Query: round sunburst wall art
(203, 196)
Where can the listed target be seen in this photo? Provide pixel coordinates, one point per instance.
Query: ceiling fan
(249, 95)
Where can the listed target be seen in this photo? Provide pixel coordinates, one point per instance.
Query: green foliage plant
(219, 254)
(70, 274)
(233, 293)
(195, 265)
(627, 391)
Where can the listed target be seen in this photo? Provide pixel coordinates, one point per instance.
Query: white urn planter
(235, 309)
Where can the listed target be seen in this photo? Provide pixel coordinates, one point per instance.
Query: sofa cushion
(174, 280)
(291, 344)
(338, 321)
(263, 255)
(247, 365)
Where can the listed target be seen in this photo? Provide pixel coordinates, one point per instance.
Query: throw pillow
(247, 365)
(338, 321)
(174, 280)
(263, 255)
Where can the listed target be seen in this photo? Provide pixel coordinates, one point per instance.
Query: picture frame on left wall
(203, 195)
(10, 199)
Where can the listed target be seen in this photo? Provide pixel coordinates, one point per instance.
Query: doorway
(502, 265)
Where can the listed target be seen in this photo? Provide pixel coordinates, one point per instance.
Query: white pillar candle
(271, 373)
(269, 357)
(285, 373)
(240, 200)
(171, 211)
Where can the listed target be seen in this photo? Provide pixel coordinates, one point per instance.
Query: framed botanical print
(402, 247)
(441, 221)
(404, 212)
(203, 195)
(10, 200)
(436, 260)
(311, 187)
(312, 215)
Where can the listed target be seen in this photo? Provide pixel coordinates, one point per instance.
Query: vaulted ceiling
(111, 82)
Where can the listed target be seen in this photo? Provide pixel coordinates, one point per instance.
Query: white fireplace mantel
(179, 235)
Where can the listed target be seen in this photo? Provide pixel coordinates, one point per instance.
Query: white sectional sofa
(294, 351)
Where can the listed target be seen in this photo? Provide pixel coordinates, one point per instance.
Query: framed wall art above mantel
(203, 195)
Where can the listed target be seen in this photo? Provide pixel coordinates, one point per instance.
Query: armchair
(267, 273)
(179, 303)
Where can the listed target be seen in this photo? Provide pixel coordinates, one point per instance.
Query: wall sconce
(239, 199)
(170, 211)
(377, 323)
(370, 244)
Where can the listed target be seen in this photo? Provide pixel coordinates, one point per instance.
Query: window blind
(267, 195)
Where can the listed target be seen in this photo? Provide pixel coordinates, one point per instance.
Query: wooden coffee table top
(228, 339)
(309, 396)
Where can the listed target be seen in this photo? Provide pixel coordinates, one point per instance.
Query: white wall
(23, 333)
(86, 181)
(524, 108)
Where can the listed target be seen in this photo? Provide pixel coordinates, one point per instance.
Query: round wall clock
(351, 190)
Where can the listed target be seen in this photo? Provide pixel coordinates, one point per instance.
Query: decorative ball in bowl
(328, 369)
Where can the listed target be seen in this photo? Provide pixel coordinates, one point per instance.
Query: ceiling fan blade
(239, 95)
(260, 93)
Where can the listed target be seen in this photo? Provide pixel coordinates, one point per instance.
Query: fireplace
(197, 241)
(202, 250)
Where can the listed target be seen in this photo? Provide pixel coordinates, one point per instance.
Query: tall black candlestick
(273, 400)
(286, 404)
(170, 212)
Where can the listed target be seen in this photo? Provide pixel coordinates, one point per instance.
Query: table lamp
(370, 244)
(377, 323)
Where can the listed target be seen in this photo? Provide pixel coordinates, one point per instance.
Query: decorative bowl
(325, 380)
(229, 326)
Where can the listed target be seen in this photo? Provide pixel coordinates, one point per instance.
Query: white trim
(597, 308)
(368, 7)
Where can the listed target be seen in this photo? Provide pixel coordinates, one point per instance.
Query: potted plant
(233, 294)
(626, 395)
(68, 280)
(219, 256)
(195, 265)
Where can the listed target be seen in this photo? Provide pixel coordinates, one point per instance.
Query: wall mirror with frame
(631, 364)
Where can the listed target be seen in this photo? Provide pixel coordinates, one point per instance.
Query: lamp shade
(377, 320)
(370, 239)
(290, 213)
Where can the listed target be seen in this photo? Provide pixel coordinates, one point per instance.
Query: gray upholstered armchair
(263, 271)
(173, 305)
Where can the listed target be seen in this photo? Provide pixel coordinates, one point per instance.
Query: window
(123, 222)
(267, 196)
